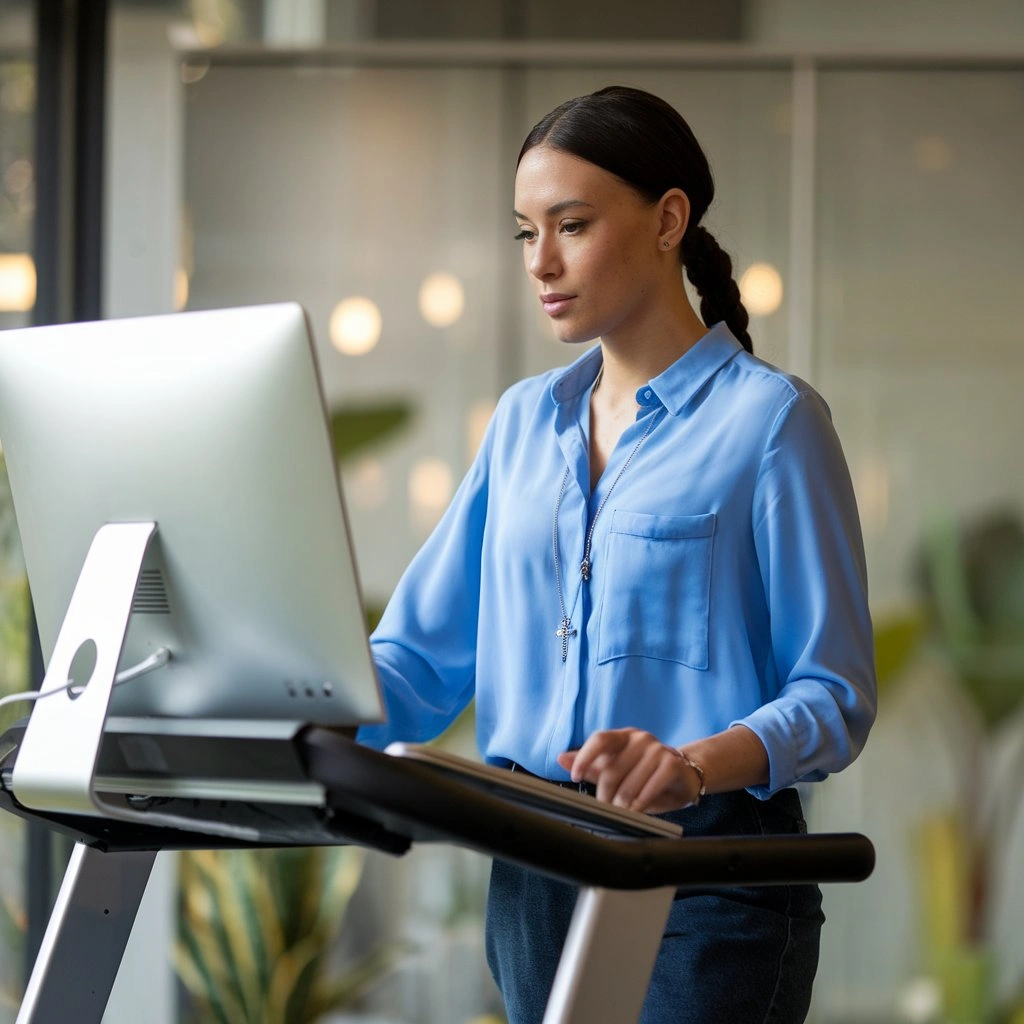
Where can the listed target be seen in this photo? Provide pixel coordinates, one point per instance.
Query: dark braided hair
(646, 143)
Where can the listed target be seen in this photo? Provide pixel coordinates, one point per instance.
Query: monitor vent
(150, 594)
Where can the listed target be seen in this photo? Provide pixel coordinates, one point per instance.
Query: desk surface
(387, 803)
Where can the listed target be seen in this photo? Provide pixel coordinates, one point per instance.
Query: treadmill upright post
(608, 956)
(86, 937)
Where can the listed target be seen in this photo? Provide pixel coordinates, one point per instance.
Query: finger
(596, 752)
(613, 771)
(641, 768)
(567, 759)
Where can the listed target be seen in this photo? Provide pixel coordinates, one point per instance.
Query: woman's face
(590, 245)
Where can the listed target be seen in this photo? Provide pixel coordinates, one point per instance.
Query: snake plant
(257, 929)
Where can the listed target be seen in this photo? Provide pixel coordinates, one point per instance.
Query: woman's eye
(525, 235)
(573, 227)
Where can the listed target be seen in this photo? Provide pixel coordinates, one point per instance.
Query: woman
(652, 578)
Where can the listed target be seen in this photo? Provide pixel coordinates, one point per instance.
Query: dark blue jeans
(728, 956)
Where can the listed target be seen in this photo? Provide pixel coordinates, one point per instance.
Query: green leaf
(897, 639)
(343, 870)
(203, 955)
(356, 428)
(255, 928)
(193, 966)
(343, 992)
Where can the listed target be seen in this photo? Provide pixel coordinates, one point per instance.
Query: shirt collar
(674, 387)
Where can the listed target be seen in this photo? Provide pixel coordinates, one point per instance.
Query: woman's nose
(544, 261)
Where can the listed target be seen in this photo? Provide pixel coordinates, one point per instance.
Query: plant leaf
(357, 427)
(345, 991)
(343, 870)
(202, 936)
(288, 971)
(897, 638)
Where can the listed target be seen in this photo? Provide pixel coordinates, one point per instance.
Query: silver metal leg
(86, 937)
(608, 956)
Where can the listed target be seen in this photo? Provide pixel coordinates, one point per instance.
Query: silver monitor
(212, 425)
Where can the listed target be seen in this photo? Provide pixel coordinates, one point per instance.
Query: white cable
(158, 658)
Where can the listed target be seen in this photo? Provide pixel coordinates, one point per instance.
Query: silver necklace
(565, 630)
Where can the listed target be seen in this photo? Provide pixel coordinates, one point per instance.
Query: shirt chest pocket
(657, 588)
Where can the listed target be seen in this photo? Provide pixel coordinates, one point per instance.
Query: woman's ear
(673, 216)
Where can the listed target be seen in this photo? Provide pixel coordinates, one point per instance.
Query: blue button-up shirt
(727, 582)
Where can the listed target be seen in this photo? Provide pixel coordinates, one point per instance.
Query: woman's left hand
(634, 769)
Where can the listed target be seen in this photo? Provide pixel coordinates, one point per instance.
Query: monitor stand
(95, 624)
(73, 723)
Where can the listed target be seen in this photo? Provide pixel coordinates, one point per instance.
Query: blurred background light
(871, 482)
(932, 153)
(442, 299)
(367, 484)
(430, 490)
(761, 289)
(180, 289)
(17, 282)
(355, 325)
(18, 176)
(194, 69)
(479, 416)
(18, 93)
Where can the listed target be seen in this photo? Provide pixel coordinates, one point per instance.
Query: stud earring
(665, 244)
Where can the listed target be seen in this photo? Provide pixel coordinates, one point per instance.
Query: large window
(17, 297)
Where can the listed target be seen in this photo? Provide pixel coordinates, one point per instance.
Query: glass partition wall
(381, 198)
(875, 225)
(392, 187)
(917, 329)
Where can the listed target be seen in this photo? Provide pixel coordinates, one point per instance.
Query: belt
(587, 788)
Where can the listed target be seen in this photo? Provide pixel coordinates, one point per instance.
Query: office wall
(317, 182)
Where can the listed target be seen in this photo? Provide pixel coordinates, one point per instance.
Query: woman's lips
(555, 303)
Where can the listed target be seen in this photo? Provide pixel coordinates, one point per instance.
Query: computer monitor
(213, 425)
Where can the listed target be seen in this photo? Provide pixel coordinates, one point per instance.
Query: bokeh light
(18, 176)
(872, 484)
(430, 490)
(479, 416)
(442, 299)
(367, 484)
(17, 282)
(355, 325)
(761, 289)
(18, 94)
(180, 289)
(932, 153)
(194, 69)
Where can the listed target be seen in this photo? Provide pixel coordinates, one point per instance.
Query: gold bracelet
(690, 763)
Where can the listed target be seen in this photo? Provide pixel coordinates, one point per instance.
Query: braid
(710, 271)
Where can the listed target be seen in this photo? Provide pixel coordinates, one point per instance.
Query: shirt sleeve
(424, 647)
(811, 556)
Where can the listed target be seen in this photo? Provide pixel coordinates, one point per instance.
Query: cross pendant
(565, 631)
